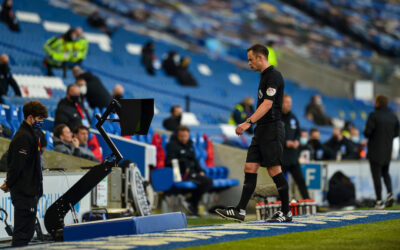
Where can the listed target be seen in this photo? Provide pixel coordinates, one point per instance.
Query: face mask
(37, 124)
(303, 141)
(318, 101)
(117, 96)
(355, 139)
(74, 98)
(83, 89)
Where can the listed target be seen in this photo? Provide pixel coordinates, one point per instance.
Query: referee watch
(249, 121)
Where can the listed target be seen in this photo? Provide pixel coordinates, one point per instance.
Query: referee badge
(271, 91)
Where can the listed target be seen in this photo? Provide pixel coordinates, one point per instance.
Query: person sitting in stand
(58, 52)
(65, 143)
(97, 21)
(148, 57)
(337, 145)
(80, 47)
(319, 151)
(305, 149)
(6, 78)
(355, 146)
(173, 122)
(82, 134)
(183, 75)
(171, 62)
(8, 16)
(315, 112)
(242, 111)
(70, 110)
(182, 149)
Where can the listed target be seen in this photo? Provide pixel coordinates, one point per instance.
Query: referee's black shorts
(266, 147)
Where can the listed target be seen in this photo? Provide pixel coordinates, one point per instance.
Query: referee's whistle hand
(242, 127)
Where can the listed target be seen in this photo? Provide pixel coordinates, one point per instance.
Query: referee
(267, 144)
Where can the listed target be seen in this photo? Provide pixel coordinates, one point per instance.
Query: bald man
(6, 78)
(118, 92)
(96, 94)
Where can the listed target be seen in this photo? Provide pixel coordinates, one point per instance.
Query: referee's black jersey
(271, 87)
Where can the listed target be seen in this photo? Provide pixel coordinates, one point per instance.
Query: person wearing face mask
(171, 63)
(305, 150)
(24, 172)
(118, 92)
(70, 109)
(315, 112)
(80, 47)
(96, 94)
(319, 151)
(173, 122)
(290, 159)
(355, 146)
(337, 146)
(6, 78)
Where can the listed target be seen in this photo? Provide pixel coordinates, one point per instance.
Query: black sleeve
(297, 132)
(396, 128)
(15, 86)
(269, 88)
(370, 126)
(21, 150)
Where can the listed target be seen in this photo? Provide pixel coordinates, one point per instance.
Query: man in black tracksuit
(6, 78)
(181, 148)
(381, 128)
(290, 160)
(71, 111)
(24, 172)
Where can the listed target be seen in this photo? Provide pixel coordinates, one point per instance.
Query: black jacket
(333, 145)
(319, 117)
(68, 114)
(185, 154)
(24, 170)
(97, 95)
(7, 79)
(171, 124)
(184, 77)
(382, 126)
(292, 133)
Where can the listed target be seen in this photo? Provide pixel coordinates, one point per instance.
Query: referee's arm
(264, 107)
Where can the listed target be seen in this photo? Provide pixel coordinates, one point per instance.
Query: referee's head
(258, 57)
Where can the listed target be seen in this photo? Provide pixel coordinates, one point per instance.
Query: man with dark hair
(266, 147)
(315, 112)
(82, 134)
(381, 128)
(24, 172)
(290, 161)
(7, 15)
(148, 57)
(95, 92)
(319, 151)
(6, 78)
(172, 122)
(182, 149)
(70, 110)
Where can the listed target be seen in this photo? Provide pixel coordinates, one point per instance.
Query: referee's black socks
(250, 182)
(283, 190)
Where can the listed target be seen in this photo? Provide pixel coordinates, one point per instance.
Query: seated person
(97, 21)
(242, 111)
(305, 150)
(183, 75)
(319, 151)
(65, 143)
(182, 149)
(315, 112)
(8, 16)
(70, 109)
(59, 50)
(82, 134)
(148, 57)
(6, 78)
(172, 122)
(337, 144)
(170, 63)
(80, 47)
(355, 146)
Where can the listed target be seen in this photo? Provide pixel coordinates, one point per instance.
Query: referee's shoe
(230, 213)
(280, 217)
